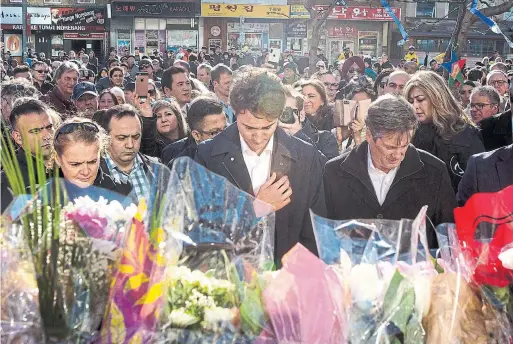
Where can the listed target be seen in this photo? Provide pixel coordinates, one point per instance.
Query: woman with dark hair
(359, 89)
(165, 126)
(103, 74)
(116, 77)
(316, 104)
(78, 146)
(381, 81)
(107, 100)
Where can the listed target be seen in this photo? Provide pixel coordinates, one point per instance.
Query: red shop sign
(342, 32)
(361, 13)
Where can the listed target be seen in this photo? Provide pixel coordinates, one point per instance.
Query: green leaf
(399, 302)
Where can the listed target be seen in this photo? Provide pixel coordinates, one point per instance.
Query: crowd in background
(278, 130)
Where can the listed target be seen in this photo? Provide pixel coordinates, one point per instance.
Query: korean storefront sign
(248, 27)
(349, 13)
(296, 29)
(247, 11)
(11, 15)
(161, 9)
(338, 30)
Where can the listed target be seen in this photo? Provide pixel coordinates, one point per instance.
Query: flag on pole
(456, 72)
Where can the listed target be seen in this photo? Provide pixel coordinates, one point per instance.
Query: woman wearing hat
(411, 55)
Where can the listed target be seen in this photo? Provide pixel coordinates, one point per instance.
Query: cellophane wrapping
(200, 276)
(478, 272)
(20, 317)
(384, 268)
(74, 242)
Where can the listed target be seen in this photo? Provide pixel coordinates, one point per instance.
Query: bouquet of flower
(74, 254)
(214, 291)
(193, 276)
(476, 254)
(384, 274)
(20, 318)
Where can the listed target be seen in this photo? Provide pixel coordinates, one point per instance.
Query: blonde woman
(445, 130)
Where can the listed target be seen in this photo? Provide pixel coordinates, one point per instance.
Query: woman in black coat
(445, 130)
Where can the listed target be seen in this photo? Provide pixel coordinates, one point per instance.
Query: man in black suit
(487, 172)
(261, 159)
(497, 130)
(206, 119)
(386, 177)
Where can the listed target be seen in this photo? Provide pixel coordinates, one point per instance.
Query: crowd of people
(355, 139)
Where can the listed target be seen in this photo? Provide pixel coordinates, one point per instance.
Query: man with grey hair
(484, 103)
(59, 98)
(88, 65)
(386, 177)
(499, 80)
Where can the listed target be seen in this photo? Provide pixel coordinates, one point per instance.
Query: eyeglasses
(40, 71)
(331, 85)
(353, 70)
(74, 126)
(479, 106)
(497, 82)
(211, 133)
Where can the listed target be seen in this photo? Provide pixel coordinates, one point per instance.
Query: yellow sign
(247, 11)
(299, 12)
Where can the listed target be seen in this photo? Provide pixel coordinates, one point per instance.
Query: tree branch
(499, 9)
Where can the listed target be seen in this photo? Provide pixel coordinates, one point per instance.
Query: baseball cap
(411, 47)
(82, 88)
(130, 86)
(145, 62)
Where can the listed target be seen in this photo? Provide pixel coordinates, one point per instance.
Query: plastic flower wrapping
(192, 269)
(74, 245)
(477, 258)
(384, 269)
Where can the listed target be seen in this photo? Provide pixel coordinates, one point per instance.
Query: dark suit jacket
(422, 179)
(184, 147)
(293, 157)
(496, 131)
(487, 172)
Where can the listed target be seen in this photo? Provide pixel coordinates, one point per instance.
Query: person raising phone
(260, 158)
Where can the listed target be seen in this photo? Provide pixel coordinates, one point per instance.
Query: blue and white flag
(403, 32)
(488, 21)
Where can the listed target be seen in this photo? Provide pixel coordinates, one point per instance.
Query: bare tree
(317, 20)
(466, 19)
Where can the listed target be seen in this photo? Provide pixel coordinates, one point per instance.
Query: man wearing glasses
(499, 80)
(484, 103)
(206, 119)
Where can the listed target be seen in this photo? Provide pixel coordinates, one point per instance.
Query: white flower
(506, 257)
(366, 287)
(217, 318)
(179, 318)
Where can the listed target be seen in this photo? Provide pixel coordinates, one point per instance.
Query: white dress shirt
(380, 180)
(259, 166)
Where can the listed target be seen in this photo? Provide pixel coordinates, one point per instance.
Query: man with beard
(85, 98)
(32, 124)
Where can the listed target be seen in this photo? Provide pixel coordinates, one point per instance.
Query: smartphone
(363, 109)
(344, 112)
(141, 86)
(287, 116)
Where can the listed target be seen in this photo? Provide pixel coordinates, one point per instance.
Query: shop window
(453, 10)
(481, 47)
(152, 24)
(425, 9)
